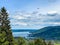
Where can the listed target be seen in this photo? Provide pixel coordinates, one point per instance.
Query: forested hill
(51, 32)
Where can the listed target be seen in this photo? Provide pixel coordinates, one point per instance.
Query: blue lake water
(22, 32)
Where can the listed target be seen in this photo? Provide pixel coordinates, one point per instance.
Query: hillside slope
(51, 32)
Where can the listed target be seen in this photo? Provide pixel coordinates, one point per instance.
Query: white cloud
(52, 12)
(20, 23)
(29, 20)
(27, 15)
(54, 23)
(19, 17)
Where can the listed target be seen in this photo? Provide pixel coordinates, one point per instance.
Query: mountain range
(49, 33)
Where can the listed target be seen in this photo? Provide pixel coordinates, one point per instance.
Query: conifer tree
(5, 27)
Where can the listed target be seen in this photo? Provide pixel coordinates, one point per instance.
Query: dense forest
(6, 37)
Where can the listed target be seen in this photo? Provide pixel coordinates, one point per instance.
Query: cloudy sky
(32, 14)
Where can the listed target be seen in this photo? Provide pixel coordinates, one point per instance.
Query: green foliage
(31, 43)
(6, 37)
(2, 36)
(21, 41)
(44, 43)
(50, 43)
(38, 42)
(6, 43)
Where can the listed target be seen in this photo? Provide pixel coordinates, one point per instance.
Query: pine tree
(5, 27)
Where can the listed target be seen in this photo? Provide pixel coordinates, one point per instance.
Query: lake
(22, 32)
